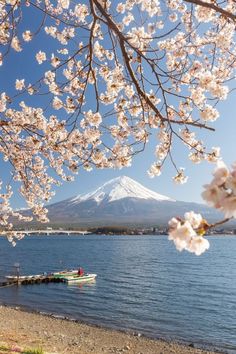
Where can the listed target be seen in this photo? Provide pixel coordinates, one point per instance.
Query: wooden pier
(31, 280)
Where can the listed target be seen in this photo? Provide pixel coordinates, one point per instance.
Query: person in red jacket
(80, 272)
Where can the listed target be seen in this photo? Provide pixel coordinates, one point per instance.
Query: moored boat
(80, 279)
(65, 273)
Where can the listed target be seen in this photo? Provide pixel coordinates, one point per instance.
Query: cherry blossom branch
(116, 74)
(218, 223)
(211, 5)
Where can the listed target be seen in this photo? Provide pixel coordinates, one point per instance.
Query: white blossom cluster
(221, 192)
(120, 70)
(7, 213)
(187, 234)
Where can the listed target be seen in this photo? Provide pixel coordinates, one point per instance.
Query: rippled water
(143, 285)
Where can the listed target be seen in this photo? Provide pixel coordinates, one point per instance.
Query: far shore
(26, 329)
(61, 232)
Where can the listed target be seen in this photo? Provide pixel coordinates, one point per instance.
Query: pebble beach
(22, 329)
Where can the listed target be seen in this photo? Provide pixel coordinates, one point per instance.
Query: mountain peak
(119, 188)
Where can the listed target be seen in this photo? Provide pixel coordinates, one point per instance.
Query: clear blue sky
(22, 65)
(224, 136)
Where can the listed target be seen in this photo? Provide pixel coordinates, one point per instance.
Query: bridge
(55, 232)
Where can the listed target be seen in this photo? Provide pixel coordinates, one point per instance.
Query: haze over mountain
(123, 201)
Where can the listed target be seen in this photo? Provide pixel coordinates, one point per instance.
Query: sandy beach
(54, 335)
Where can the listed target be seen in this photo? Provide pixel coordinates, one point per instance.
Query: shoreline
(43, 233)
(59, 334)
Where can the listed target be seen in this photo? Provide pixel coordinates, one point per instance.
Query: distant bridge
(52, 232)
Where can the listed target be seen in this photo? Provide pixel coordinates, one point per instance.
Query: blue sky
(224, 136)
(22, 65)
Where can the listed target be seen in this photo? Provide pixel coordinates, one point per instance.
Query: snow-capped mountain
(120, 188)
(122, 201)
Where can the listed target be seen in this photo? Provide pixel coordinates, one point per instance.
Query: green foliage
(3, 348)
(33, 351)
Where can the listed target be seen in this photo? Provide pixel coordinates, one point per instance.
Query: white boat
(80, 279)
(65, 273)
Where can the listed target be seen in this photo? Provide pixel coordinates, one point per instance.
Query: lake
(143, 285)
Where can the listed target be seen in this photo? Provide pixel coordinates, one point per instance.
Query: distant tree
(148, 65)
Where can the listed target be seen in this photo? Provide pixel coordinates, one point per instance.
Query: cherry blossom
(115, 74)
(187, 234)
(40, 57)
(27, 36)
(221, 192)
(20, 84)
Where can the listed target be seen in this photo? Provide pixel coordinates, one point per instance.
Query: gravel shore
(54, 335)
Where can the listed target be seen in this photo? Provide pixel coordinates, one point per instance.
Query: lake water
(144, 285)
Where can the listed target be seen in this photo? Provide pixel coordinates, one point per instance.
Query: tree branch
(211, 5)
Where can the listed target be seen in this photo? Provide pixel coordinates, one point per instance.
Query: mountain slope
(122, 201)
(120, 188)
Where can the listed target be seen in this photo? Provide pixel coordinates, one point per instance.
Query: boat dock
(38, 279)
(64, 276)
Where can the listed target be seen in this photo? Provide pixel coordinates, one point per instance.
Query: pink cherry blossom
(115, 76)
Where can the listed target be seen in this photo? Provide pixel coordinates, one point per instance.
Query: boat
(65, 273)
(80, 279)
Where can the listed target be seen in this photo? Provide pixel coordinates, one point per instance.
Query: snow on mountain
(122, 201)
(120, 188)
